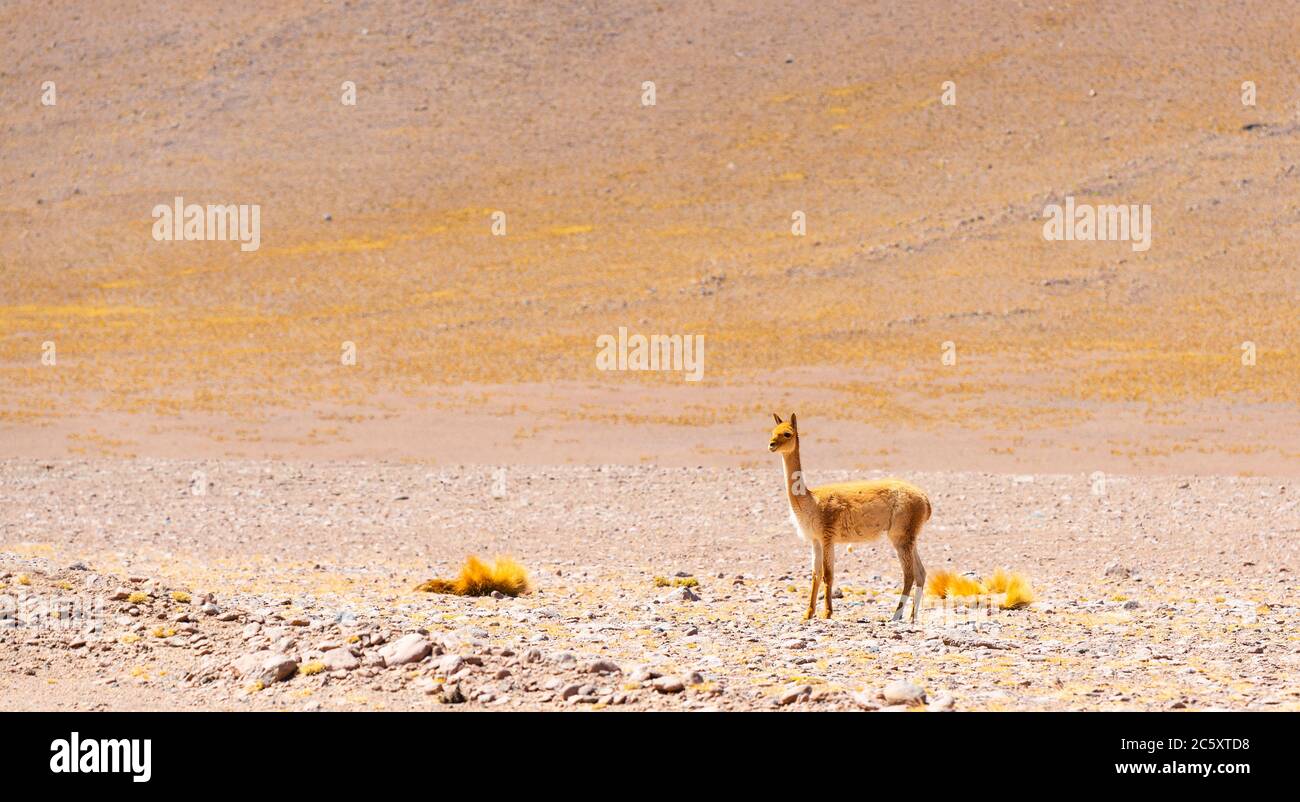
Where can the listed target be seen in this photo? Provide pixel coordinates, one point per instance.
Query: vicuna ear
(776, 417)
(794, 424)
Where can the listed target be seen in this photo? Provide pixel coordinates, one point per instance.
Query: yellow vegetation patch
(1019, 594)
(478, 578)
(181, 596)
(946, 585)
(24, 579)
(677, 582)
(314, 667)
(138, 597)
(1015, 586)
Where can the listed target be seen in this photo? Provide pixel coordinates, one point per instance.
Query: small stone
(449, 664)
(265, 666)
(863, 700)
(452, 694)
(669, 685)
(410, 648)
(1131, 604)
(643, 674)
(794, 693)
(942, 703)
(902, 692)
(602, 667)
(682, 594)
(1117, 571)
(340, 660)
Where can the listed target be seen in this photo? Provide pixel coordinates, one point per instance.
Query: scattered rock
(265, 666)
(449, 664)
(942, 703)
(863, 700)
(410, 648)
(795, 693)
(669, 685)
(340, 660)
(902, 692)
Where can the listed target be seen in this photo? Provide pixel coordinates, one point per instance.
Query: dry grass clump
(478, 578)
(946, 585)
(677, 582)
(1012, 585)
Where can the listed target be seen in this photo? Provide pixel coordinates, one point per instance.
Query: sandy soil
(1141, 604)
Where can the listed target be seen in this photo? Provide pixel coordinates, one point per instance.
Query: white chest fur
(802, 526)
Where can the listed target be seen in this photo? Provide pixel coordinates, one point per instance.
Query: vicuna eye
(787, 434)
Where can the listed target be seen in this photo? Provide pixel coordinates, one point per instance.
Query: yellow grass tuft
(677, 582)
(478, 578)
(24, 579)
(946, 584)
(308, 669)
(138, 598)
(180, 596)
(1019, 594)
(998, 582)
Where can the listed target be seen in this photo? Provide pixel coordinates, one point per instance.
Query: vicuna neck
(796, 484)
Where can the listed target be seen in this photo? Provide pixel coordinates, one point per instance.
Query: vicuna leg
(828, 572)
(816, 579)
(909, 566)
(919, 570)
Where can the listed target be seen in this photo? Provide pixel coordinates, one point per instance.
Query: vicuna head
(785, 436)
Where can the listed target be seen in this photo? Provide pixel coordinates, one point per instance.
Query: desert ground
(311, 567)
(204, 505)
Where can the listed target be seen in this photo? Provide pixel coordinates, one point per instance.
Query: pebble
(902, 692)
(449, 664)
(669, 685)
(410, 648)
(794, 693)
(942, 703)
(340, 660)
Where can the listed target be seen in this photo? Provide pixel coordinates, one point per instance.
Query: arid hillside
(923, 217)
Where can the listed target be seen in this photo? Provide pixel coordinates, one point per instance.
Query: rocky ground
(160, 584)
